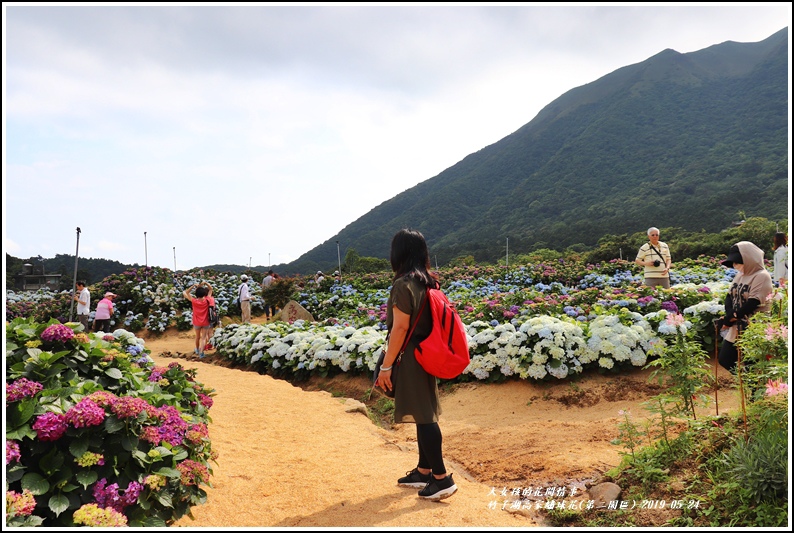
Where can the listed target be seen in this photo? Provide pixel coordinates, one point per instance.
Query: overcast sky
(253, 133)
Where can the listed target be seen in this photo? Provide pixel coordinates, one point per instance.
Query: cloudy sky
(253, 133)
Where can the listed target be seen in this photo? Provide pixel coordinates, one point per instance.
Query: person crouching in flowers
(746, 296)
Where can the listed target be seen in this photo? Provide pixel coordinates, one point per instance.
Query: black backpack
(212, 313)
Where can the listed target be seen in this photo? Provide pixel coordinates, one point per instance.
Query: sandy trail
(289, 457)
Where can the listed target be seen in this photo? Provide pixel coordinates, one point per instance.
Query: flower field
(542, 321)
(97, 435)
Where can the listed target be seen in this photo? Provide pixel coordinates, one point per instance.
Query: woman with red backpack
(416, 397)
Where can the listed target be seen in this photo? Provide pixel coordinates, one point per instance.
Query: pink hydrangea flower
(20, 504)
(130, 407)
(103, 398)
(86, 413)
(205, 400)
(22, 388)
(12, 452)
(193, 472)
(50, 426)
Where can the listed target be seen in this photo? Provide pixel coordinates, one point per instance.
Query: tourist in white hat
(104, 310)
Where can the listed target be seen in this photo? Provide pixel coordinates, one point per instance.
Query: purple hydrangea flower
(108, 495)
(670, 307)
(57, 332)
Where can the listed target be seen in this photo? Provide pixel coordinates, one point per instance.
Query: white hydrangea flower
(605, 362)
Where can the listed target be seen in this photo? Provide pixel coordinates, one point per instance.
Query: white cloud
(287, 123)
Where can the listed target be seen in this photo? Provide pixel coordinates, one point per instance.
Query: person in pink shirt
(201, 319)
(104, 310)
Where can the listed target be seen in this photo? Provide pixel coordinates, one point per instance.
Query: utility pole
(174, 259)
(74, 281)
(146, 252)
(507, 243)
(339, 259)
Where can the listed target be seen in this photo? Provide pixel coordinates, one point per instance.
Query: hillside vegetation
(689, 141)
(683, 244)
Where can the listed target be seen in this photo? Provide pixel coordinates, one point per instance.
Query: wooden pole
(74, 281)
(716, 364)
(739, 374)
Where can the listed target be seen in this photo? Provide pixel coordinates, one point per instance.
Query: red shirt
(200, 311)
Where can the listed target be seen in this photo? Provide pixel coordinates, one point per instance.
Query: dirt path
(289, 457)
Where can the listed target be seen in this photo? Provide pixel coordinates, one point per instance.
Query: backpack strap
(411, 332)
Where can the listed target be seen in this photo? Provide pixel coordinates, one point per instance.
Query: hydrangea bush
(96, 434)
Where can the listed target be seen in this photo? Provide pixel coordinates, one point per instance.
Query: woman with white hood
(746, 295)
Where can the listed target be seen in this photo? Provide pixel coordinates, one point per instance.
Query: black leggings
(428, 437)
(728, 355)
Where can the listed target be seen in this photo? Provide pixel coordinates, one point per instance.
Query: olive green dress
(416, 393)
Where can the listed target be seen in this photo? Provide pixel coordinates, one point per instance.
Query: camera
(657, 263)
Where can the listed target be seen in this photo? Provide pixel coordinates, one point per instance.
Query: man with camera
(655, 257)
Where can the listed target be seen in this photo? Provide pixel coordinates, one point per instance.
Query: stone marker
(294, 311)
(603, 493)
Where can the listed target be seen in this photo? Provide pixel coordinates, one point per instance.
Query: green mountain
(678, 140)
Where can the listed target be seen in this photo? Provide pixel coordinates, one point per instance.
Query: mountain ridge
(674, 126)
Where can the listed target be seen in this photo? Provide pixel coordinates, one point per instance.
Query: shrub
(98, 435)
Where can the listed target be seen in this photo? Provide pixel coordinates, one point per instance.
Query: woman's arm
(399, 330)
(187, 294)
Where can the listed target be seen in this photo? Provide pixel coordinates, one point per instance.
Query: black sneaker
(438, 489)
(414, 479)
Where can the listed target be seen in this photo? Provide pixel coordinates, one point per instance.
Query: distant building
(28, 281)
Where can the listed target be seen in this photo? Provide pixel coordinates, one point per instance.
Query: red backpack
(445, 352)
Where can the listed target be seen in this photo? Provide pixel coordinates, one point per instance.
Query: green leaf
(79, 446)
(59, 503)
(113, 424)
(164, 452)
(69, 487)
(129, 443)
(15, 474)
(34, 352)
(180, 454)
(141, 456)
(165, 499)
(86, 477)
(51, 462)
(115, 373)
(155, 521)
(169, 472)
(21, 412)
(21, 433)
(35, 483)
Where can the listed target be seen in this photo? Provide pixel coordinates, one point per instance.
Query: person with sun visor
(746, 296)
